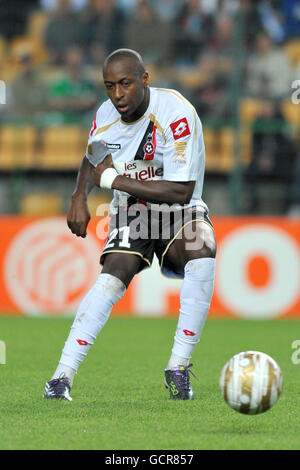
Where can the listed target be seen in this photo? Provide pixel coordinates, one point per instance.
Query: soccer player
(147, 145)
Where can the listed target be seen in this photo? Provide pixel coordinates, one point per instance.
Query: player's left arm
(180, 170)
(162, 191)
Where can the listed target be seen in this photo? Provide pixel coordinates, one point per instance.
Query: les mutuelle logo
(48, 269)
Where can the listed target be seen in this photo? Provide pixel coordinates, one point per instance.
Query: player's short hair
(138, 67)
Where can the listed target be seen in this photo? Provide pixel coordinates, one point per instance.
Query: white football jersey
(165, 143)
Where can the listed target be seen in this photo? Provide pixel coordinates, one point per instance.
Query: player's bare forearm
(161, 191)
(79, 215)
(85, 179)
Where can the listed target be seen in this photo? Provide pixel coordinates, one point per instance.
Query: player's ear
(145, 78)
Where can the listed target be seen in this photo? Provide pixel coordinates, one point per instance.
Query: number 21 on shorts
(124, 232)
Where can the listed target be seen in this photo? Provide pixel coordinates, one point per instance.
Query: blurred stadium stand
(41, 204)
(62, 148)
(17, 147)
(39, 148)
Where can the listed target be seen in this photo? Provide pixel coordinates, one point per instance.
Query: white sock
(93, 312)
(195, 297)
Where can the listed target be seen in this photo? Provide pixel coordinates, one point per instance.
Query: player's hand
(78, 216)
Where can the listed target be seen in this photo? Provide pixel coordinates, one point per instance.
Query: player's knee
(199, 241)
(205, 247)
(208, 250)
(123, 267)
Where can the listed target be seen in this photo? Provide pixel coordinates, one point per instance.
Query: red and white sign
(180, 128)
(46, 270)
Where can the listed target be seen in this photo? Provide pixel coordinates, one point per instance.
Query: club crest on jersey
(149, 147)
(180, 128)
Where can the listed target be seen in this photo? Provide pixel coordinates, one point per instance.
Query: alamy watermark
(2, 92)
(295, 358)
(2, 352)
(296, 94)
(136, 222)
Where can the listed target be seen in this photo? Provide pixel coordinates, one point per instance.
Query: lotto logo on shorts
(180, 128)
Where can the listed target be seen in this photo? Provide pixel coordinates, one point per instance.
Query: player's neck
(140, 111)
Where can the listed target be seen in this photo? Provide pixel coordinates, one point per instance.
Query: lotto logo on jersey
(180, 128)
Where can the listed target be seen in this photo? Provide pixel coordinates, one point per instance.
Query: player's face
(127, 90)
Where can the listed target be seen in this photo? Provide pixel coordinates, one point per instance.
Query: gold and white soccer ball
(251, 382)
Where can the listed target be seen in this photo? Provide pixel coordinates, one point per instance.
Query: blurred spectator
(73, 97)
(148, 34)
(95, 55)
(167, 10)
(294, 209)
(51, 5)
(272, 155)
(251, 22)
(271, 19)
(192, 28)
(296, 72)
(127, 7)
(212, 96)
(215, 64)
(268, 70)
(62, 31)
(27, 94)
(103, 23)
(166, 76)
(220, 41)
(13, 17)
(220, 7)
(291, 15)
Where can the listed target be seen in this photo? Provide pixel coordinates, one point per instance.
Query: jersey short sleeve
(96, 149)
(184, 147)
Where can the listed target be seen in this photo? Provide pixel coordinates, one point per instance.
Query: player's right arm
(79, 214)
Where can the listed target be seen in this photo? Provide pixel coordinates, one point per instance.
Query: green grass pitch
(119, 401)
